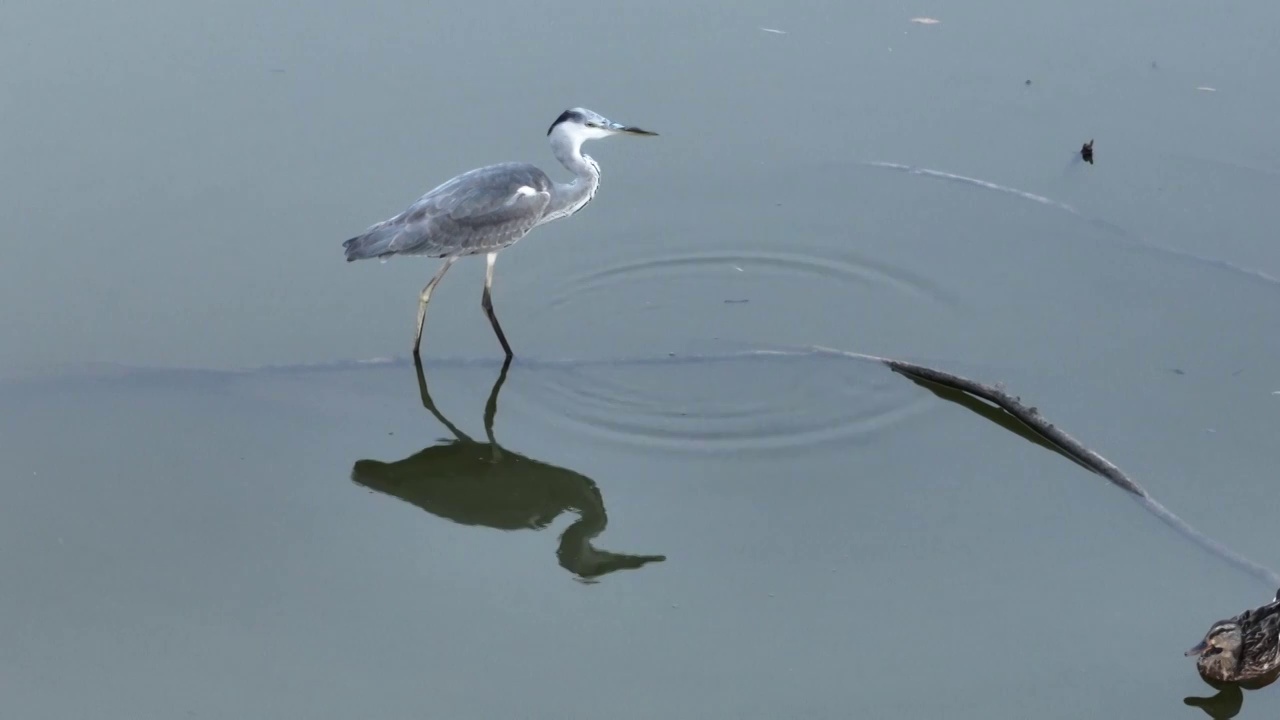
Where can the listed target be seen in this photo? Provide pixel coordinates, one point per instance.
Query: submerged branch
(1066, 445)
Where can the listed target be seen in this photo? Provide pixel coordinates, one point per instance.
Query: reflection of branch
(993, 413)
(1068, 446)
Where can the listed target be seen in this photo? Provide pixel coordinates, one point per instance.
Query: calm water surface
(224, 496)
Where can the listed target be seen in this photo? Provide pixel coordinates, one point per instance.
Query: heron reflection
(474, 482)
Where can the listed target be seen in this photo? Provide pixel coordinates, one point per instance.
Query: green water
(211, 506)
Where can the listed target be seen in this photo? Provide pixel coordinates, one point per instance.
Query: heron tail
(371, 244)
(352, 248)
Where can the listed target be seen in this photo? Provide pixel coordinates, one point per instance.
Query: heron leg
(491, 412)
(487, 303)
(426, 296)
(430, 404)
(491, 407)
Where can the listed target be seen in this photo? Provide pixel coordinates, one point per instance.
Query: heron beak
(631, 130)
(1198, 649)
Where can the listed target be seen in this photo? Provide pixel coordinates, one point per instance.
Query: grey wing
(477, 212)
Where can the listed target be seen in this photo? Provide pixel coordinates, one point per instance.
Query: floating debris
(1206, 88)
(1086, 152)
(1027, 83)
(775, 31)
(925, 21)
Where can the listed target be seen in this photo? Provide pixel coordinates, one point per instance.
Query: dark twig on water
(1072, 449)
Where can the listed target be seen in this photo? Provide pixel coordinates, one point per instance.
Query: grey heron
(490, 208)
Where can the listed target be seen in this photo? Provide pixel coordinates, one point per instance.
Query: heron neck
(568, 198)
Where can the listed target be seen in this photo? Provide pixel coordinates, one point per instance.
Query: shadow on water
(1226, 704)
(481, 483)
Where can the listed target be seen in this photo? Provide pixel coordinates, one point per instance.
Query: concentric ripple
(672, 303)
(741, 270)
(719, 404)
(672, 300)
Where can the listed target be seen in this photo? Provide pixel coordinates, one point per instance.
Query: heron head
(582, 124)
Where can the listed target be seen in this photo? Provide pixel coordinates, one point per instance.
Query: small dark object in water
(1028, 82)
(735, 302)
(1086, 152)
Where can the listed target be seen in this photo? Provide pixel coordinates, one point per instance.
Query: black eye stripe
(566, 116)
